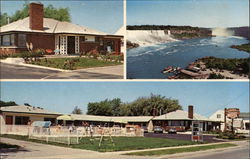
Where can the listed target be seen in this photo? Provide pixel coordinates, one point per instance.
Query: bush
(230, 135)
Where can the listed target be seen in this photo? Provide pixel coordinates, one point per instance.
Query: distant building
(242, 122)
(246, 120)
(182, 120)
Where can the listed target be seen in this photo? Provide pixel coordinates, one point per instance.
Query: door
(71, 45)
(9, 120)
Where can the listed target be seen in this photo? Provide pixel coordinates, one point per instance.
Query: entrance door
(9, 120)
(71, 45)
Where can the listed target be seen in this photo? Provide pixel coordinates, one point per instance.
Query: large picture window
(21, 120)
(22, 40)
(8, 40)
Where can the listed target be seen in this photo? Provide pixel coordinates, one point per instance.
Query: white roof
(121, 31)
(90, 117)
(133, 118)
(26, 109)
(50, 26)
(180, 115)
(120, 119)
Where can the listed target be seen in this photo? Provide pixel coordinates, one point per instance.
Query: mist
(222, 32)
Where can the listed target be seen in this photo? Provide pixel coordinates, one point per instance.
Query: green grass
(121, 143)
(74, 63)
(180, 150)
(4, 145)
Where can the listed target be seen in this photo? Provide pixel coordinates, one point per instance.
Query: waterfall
(222, 32)
(149, 37)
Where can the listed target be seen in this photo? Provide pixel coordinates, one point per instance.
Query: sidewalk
(112, 70)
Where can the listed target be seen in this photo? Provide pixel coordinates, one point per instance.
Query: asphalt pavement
(11, 71)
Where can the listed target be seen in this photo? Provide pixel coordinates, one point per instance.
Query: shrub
(230, 135)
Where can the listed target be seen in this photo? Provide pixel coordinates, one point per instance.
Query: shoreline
(201, 69)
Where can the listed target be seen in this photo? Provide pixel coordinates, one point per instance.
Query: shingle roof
(50, 26)
(180, 115)
(27, 109)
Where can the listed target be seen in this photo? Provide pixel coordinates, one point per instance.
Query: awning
(64, 117)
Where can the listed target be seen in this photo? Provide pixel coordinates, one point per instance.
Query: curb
(165, 148)
(36, 66)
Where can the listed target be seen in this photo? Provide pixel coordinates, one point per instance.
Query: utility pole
(225, 119)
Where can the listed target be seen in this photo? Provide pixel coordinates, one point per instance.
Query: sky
(103, 15)
(200, 13)
(62, 97)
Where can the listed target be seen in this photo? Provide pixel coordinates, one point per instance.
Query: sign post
(232, 113)
(197, 132)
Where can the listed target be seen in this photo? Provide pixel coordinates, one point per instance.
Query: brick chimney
(190, 111)
(36, 16)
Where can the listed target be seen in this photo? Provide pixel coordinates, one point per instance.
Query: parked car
(172, 131)
(145, 129)
(158, 129)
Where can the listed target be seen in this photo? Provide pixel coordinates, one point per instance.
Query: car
(172, 131)
(158, 129)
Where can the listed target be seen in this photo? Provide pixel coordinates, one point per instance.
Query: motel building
(16, 118)
(240, 124)
(54, 36)
(182, 121)
(106, 121)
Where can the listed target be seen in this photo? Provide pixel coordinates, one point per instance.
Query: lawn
(121, 143)
(73, 63)
(180, 150)
(129, 143)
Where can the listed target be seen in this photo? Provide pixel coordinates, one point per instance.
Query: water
(148, 62)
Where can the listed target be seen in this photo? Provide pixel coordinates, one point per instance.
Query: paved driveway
(11, 71)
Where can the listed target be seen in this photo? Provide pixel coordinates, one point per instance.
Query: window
(89, 38)
(97, 39)
(9, 120)
(82, 39)
(22, 40)
(218, 116)
(8, 40)
(21, 120)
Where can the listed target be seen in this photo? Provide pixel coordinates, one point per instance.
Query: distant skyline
(103, 15)
(200, 13)
(207, 97)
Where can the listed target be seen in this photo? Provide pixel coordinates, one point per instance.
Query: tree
(106, 107)
(152, 105)
(61, 14)
(4, 104)
(77, 110)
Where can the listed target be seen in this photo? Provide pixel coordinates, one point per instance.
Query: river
(148, 61)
